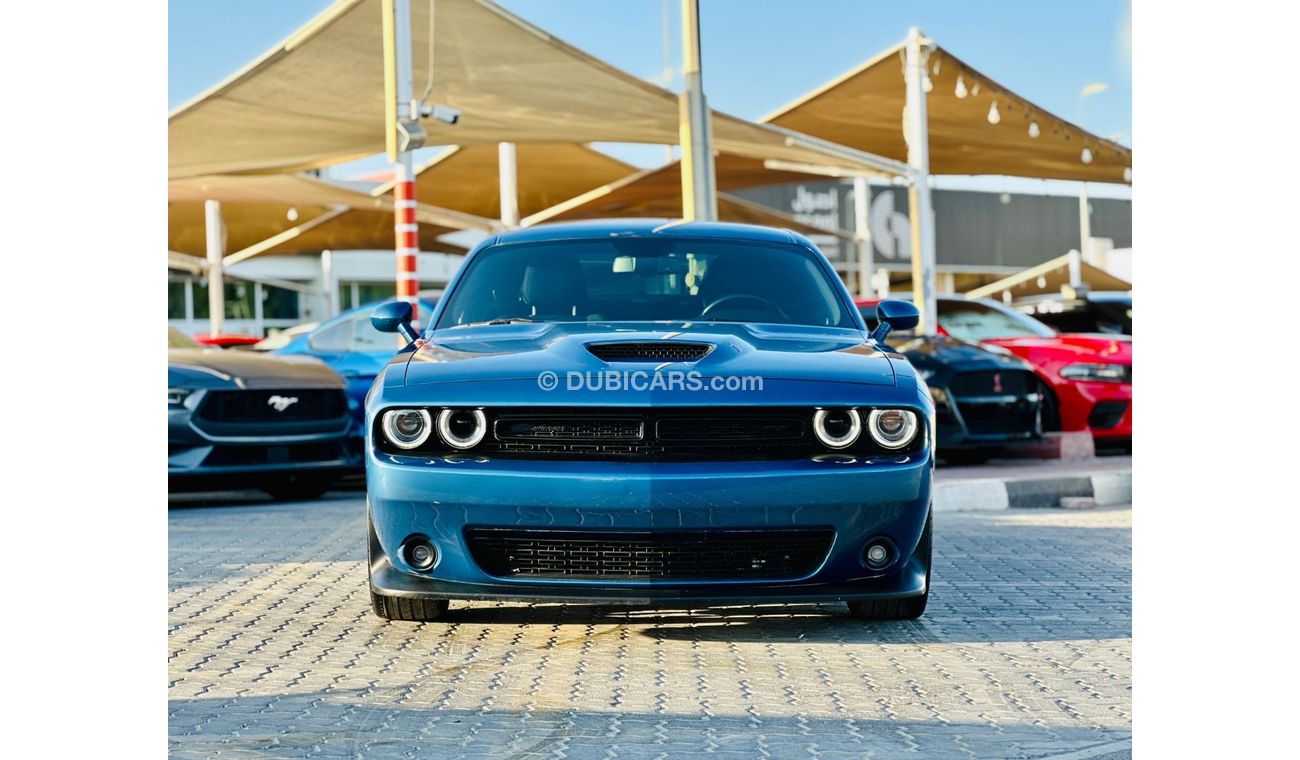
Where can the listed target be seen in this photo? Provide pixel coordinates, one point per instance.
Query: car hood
(522, 351)
(198, 368)
(933, 352)
(1102, 347)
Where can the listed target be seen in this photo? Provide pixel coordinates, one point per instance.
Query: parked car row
(286, 414)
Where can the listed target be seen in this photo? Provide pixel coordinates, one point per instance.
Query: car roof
(647, 228)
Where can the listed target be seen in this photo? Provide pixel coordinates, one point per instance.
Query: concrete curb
(983, 494)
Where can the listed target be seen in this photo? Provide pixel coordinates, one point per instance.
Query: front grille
(298, 453)
(272, 412)
(273, 405)
(997, 383)
(647, 555)
(654, 434)
(999, 419)
(649, 351)
(1107, 414)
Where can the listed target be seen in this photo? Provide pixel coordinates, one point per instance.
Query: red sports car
(1087, 378)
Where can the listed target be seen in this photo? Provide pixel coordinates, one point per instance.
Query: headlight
(837, 428)
(462, 428)
(177, 396)
(1106, 373)
(407, 428)
(892, 428)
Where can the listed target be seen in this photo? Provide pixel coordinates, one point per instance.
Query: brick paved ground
(273, 651)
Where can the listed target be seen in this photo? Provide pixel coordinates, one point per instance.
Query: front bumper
(439, 498)
(1079, 401)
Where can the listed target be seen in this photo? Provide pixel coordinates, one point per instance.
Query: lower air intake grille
(671, 351)
(1107, 414)
(645, 555)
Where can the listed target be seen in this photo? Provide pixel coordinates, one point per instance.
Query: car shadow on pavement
(409, 721)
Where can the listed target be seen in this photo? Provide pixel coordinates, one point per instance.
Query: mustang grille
(254, 412)
(649, 351)
(645, 555)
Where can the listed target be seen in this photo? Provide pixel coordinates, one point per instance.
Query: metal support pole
(699, 188)
(862, 234)
(508, 172)
(1085, 220)
(397, 81)
(216, 245)
(917, 134)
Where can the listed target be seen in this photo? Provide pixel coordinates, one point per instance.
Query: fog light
(878, 554)
(419, 553)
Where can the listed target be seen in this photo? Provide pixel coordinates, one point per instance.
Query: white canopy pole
(508, 171)
(699, 186)
(916, 132)
(215, 234)
(862, 235)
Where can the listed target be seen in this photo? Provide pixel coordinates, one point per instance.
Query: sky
(758, 55)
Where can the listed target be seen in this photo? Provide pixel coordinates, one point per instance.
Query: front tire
(407, 609)
(910, 608)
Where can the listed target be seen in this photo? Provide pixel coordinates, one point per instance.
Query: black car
(986, 401)
(238, 420)
(1096, 312)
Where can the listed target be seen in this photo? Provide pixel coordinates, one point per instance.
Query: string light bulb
(926, 84)
(292, 213)
(975, 89)
(1128, 174)
(960, 91)
(1086, 155)
(1033, 129)
(994, 116)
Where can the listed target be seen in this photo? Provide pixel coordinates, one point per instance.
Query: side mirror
(394, 317)
(894, 315)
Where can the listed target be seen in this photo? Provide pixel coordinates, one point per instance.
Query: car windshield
(178, 339)
(975, 321)
(645, 280)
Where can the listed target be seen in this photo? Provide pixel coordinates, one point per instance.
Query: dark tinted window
(643, 279)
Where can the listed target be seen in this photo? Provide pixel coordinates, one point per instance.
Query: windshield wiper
(499, 321)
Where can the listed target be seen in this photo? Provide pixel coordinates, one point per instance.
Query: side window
(365, 338)
(333, 339)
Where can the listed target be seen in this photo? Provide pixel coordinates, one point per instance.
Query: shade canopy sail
(467, 178)
(658, 193)
(280, 213)
(318, 97)
(1049, 277)
(863, 109)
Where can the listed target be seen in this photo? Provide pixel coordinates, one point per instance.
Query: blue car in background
(354, 349)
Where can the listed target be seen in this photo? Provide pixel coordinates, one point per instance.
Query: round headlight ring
(407, 440)
(820, 418)
(879, 418)
(462, 442)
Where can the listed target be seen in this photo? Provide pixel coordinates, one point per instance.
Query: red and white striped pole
(399, 92)
(407, 235)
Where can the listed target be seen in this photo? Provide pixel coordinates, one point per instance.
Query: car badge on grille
(280, 403)
(997, 383)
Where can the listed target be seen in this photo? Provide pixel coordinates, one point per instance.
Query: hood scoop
(650, 351)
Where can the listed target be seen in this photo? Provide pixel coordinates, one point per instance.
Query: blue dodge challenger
(650, 412)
